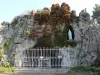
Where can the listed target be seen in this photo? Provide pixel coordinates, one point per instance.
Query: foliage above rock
(57, 24)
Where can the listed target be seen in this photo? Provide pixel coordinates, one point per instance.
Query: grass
(87, 69)
(8, 69)
(82, 68)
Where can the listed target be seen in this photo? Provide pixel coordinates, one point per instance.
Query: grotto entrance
(40, 56)
(48, 57)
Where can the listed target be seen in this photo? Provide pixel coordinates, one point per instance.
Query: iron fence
(40, 58)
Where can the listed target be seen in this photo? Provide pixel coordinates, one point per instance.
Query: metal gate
(39, 58)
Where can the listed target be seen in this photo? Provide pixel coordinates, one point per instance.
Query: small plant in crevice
(28, 33)
(7, 44)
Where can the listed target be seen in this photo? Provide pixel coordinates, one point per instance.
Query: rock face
(85, 53)
(87, 48)
(16, 33)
